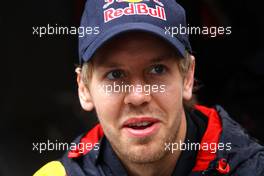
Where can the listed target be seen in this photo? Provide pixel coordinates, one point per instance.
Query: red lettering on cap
(142, 9)
(153, 12)
(130, 10)
(163, 14)
(118, 13)
(108, 15)
(134, 9)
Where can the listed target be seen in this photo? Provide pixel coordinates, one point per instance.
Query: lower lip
(140, 133)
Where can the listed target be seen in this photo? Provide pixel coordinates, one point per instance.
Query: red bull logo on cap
(135, 7)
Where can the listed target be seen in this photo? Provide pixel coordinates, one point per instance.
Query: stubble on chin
(145, 150)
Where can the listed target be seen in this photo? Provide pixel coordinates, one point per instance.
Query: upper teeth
(139, 124)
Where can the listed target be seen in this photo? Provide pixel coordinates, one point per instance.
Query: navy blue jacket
(246, 157)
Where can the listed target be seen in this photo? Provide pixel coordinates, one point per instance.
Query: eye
(158, 69)
(115, 74)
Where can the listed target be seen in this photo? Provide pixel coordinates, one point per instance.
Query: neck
(164, 166)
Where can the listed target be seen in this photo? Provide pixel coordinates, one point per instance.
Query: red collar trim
(91, 138)
(211, 135)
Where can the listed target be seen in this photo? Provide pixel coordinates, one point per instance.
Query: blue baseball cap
(113, 17)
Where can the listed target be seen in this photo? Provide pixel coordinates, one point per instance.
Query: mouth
(141, 126)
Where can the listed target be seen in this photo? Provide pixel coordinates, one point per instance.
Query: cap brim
(104, 36)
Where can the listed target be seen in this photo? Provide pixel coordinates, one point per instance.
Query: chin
(144, 153)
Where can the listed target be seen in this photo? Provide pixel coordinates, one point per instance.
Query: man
(139, 81)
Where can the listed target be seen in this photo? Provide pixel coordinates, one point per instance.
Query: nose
(137, 96)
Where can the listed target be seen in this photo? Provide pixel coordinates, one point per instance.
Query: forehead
(141, 45)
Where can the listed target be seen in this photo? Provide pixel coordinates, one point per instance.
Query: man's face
(138, 123)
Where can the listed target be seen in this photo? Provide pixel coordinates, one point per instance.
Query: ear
(189, 80)
(84, 93)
